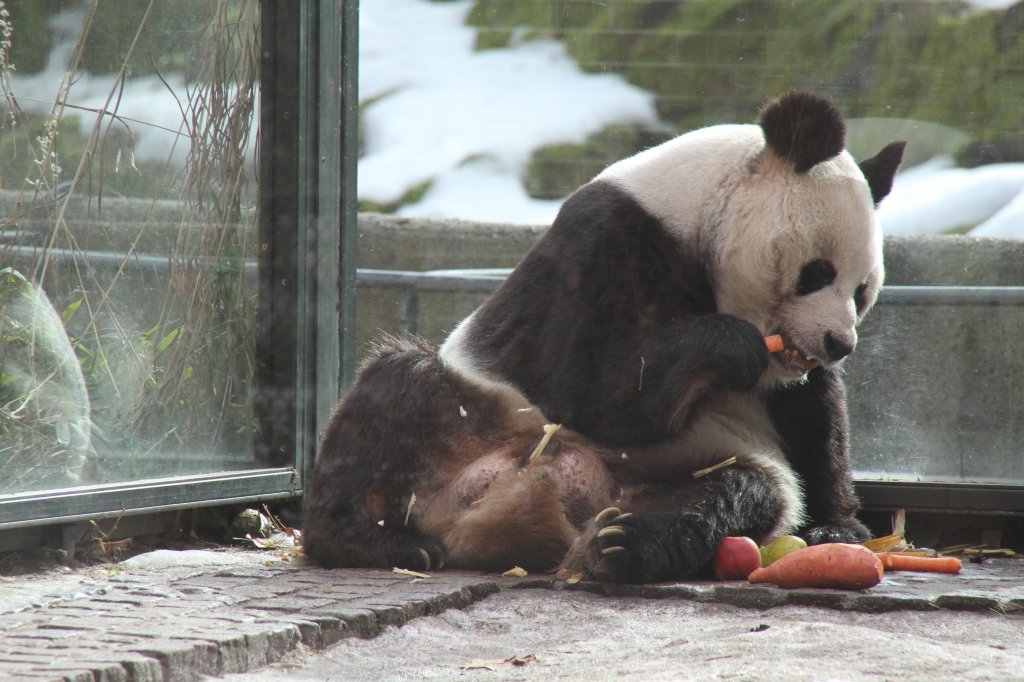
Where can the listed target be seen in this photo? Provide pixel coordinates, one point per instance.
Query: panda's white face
(800, 255)
(782, 217)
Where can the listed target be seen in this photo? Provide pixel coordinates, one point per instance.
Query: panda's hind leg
(670, 531)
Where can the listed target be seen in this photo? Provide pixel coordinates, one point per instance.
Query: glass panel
(495, 110)
(127, 243)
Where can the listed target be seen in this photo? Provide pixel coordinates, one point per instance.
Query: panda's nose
(838, 348)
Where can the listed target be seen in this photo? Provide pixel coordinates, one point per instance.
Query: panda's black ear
(880, 169)
(804, 128)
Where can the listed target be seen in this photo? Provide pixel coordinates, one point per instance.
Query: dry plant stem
(406, 571)
(206, 304)
(120, 118)
(549, 431)
(408, 510)
(218, 116)
(713, 468)
(60, 224)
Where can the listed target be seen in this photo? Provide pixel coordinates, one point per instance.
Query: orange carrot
(835, 564)
(903, 562)
(774, 343)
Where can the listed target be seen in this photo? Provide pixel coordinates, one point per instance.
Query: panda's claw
(607, 551)
(608, 514)
(611, 530)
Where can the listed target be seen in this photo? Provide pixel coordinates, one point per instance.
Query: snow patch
(935, 197)
(436, 110)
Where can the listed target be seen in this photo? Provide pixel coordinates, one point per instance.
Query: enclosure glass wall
(128, 238)
(495, 110)
(169, 326)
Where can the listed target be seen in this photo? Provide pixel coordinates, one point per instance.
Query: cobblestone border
(136, 627)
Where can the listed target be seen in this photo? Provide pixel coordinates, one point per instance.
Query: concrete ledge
(996, 587)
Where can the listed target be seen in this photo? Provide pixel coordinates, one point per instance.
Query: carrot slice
(774, 343)
(903, 562)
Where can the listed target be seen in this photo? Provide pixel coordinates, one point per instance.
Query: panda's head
(796, 248)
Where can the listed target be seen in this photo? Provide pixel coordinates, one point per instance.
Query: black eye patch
(860, 298)
(816, 275)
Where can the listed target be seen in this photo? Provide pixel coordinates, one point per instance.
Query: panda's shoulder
(676, 180)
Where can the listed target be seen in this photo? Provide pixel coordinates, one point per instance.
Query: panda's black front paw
(851, 531)
(733, 349)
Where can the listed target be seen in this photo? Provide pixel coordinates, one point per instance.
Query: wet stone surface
(168, 616)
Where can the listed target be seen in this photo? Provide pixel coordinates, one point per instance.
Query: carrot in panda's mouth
(774, 343)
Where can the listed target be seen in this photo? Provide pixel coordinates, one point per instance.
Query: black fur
(676, 541)
(816, 275)
(401, 415)
(812, 423)
(609, 325)
(880, 169)
(804, 128)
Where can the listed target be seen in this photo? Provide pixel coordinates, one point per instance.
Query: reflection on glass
(497, 109)
(126, 225)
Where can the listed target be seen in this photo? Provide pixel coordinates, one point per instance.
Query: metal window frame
(306, 166)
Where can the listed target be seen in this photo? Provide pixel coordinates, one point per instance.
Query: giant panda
(563, 422)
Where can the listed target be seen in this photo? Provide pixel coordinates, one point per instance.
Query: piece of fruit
(780, 547)
(736, 557)
(837, 565)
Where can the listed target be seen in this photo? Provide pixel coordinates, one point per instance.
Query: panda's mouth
(793, 358)
(797, 359)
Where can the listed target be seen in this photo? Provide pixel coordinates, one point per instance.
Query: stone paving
(184, 615)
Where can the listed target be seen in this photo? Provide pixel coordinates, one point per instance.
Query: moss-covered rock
(410, 196)
(719, 60)
(555, 171)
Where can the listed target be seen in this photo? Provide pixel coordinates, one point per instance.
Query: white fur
(457, 354)
(756, 223)
(685, 182)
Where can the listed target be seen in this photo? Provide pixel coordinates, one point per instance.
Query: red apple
(736, 558)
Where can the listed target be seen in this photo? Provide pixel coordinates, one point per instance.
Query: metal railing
(410, 284)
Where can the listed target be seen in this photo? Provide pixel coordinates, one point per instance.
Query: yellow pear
(780, 547)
